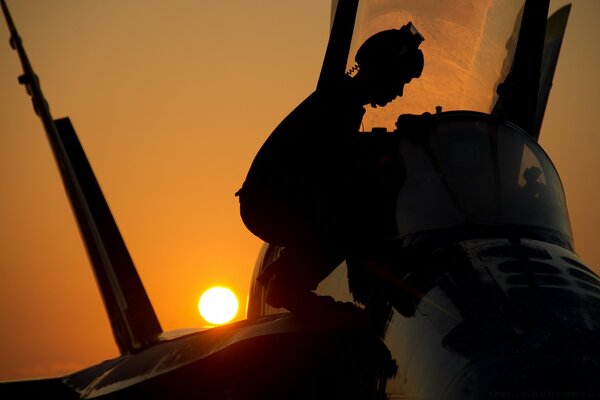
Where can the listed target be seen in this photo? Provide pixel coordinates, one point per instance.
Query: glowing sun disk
(218, 305)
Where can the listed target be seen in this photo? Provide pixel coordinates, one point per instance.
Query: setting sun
(218, 305)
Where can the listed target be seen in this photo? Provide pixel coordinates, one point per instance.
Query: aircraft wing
(267, 358)
(51, 388)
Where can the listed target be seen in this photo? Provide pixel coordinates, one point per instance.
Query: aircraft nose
(559, 374)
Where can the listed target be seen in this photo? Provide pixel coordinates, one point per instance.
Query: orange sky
(171, 100)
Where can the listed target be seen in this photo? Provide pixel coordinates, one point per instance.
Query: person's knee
(270, 219)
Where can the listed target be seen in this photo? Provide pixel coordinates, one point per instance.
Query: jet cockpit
(474, 172)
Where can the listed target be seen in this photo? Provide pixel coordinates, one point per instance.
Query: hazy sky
(171, 100)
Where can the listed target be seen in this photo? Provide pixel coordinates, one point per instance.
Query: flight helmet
(392, 51)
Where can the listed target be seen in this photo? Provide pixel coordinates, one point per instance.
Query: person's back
(304, 159)
(304, 181)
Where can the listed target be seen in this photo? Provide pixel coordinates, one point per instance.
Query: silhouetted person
(304, 189)
(533, 187)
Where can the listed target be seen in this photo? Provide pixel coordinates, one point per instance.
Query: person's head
(387, 61)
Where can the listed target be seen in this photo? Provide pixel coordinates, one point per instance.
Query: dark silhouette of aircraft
(479, 294)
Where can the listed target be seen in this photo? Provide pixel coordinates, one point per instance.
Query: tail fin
(525, 91)
(343, 16)
(132, 317)
(555, 31)
(519, 94)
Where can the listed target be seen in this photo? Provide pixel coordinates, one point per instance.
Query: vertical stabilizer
(343, 16)
(518, 95)
(555, 32)
(132, 317)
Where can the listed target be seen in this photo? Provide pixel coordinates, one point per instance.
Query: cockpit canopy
(468, 49)
(469, 169)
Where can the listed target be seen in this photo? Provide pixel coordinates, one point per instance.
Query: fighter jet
(478, 294)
